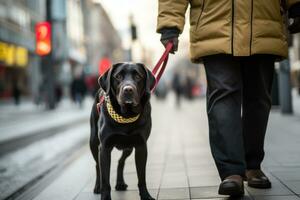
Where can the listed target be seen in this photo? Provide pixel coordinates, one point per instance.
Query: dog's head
(130, 83)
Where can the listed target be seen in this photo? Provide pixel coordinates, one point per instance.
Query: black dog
(123, 120)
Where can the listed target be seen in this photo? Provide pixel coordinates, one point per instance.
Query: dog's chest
(126, 141)
(121, 139)
(124, 136)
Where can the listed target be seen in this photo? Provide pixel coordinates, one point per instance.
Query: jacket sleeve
(171, 13)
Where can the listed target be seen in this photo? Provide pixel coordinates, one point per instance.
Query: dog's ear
(150, 79)
(105, 80)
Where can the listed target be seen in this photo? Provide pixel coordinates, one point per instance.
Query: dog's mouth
(128, 106)
(128, 102)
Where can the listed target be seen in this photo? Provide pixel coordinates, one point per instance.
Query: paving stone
(174, 193)
(130, 195)
(205, 192)
(229, 198)
(277, 189)
(201, 181)
(211, 199)
(89, 186)
(116, 195)
(71, 182)
(173, 182)
(276, 198)
(212, 193)
(87, 196)
(293, 185)
(288, 175)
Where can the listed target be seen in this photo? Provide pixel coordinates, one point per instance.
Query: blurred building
(69, 52)
(82, 35)
(75, 34)
(18, 62)
(102, 40)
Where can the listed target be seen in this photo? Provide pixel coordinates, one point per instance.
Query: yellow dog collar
(115, 116)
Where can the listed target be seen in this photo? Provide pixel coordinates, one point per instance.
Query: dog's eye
(137, 77)
(119, 77)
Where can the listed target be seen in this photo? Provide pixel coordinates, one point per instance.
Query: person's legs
(257, 83)
(223, 74)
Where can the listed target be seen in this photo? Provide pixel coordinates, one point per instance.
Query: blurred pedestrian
(78, 90)
(238, 41)
(16, 91)
(58, 93)
(177, 87)
(189, 87)
(92, 84)
(298, 81)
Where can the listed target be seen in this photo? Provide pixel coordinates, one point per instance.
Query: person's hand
(175, 44)
(170, 34)
(294, 27)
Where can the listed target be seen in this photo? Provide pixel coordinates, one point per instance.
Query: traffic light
(43, 38)
(133, 32)
(133, 28)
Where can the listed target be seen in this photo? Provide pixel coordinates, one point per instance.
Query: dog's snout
(128, 89)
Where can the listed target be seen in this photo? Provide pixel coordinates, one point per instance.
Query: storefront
(13, 70)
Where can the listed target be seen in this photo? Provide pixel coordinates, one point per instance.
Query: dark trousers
(238, 106)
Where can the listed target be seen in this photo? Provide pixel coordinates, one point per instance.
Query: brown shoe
(232, 185)
(257, 179)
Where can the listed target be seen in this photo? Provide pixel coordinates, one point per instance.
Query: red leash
(161, 64)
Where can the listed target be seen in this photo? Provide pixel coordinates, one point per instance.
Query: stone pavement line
(180, 165)
(18, 124)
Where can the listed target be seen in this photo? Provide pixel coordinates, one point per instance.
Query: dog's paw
(105, 196)
(121, 186)
(144, 194)
(147, 198)
(97, 189)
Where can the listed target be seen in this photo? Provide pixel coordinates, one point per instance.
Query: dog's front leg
(105, 159)
(121, 185)
(140, 162)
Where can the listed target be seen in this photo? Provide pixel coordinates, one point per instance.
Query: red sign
(43, 38)
(104, 65)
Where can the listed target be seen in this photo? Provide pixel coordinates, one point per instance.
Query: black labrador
(121, 118)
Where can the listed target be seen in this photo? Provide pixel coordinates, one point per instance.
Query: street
(243, 55)
(34, 141)
(180, 165)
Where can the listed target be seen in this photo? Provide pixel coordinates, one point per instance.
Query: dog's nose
(128, 89)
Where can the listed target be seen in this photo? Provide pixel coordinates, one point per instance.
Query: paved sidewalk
(296, 102)
(180, 165)
(26, 133)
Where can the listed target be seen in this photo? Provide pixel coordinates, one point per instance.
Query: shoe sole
(260, 186)
(231, 192)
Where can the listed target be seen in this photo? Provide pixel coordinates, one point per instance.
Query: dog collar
(115, 116)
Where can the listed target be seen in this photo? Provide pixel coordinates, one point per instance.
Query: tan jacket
(237, 27)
